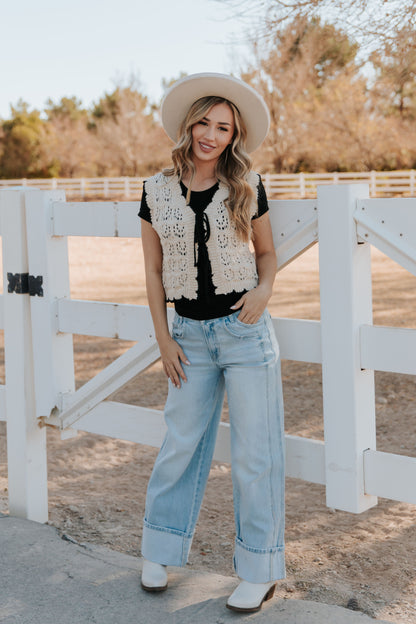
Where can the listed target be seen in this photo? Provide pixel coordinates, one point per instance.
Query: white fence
(39, 318)
(293, 185)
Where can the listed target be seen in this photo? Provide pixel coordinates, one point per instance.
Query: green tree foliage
(107, 107)
(118, 136)
(22, 145)
(67, 108)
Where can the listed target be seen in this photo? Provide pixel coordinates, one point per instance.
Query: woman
(197, 221)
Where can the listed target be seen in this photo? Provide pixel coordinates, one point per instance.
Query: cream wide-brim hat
(180, 97)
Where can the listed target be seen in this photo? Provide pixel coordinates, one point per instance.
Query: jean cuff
(165, 546)
(259, 566)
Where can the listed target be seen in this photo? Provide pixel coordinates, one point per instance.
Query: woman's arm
(253, 303)
(170, 351)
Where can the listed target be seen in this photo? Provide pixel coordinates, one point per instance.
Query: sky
(83, 47)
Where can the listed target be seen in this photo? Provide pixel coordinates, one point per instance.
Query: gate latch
(23, 284)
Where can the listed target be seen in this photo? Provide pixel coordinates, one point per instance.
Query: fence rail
(278, 185)
(38, 328)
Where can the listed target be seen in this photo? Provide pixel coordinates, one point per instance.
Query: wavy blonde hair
(232, 168)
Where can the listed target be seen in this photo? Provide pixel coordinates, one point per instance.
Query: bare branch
(365, 20)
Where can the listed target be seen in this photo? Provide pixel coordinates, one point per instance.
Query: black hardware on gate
(23, 284)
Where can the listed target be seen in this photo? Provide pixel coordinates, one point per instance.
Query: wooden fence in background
(278, 185)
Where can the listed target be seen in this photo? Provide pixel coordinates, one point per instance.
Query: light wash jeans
(243, 359)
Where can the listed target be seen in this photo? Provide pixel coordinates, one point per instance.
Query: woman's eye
(203, 123)
(224, 129)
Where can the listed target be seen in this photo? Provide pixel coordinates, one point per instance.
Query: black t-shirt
(207, 305)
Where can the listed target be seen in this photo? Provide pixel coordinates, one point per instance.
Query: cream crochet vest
(233, 265)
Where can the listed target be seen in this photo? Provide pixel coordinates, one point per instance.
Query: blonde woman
(198, 219)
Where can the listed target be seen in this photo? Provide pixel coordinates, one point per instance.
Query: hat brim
(180, 97)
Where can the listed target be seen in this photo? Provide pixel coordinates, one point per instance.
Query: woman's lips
(206, 148)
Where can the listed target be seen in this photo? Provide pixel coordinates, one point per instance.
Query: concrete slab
(45, 579)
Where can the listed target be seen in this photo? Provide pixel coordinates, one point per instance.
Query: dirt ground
(97, 485)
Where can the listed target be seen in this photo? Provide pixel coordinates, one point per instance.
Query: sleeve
(262, 204)
(144, 211)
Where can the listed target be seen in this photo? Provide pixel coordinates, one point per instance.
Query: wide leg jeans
(225, 354)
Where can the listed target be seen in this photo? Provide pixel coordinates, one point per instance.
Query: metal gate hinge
(23, 284)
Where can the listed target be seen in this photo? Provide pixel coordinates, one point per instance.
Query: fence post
(26, 442)
(373, 183)
(82, 187)
(127, 187)
(346, 304)
(48, 262)
(302, 186)
(412, 182)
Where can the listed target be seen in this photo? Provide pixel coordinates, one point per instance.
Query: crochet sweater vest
(232, 263)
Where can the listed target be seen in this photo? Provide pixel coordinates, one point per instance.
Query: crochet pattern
(233, 265)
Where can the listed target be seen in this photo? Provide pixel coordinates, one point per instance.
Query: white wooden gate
(39, 318)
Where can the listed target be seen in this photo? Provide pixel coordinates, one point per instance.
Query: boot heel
(248, 597)
(270, 593)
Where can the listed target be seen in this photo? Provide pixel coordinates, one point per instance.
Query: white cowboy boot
(154, 576)
(248, 597)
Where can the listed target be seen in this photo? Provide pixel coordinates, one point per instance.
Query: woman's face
(212, 134)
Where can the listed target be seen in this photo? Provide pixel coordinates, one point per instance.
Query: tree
(22, 145)
(168, 82)
(350, 134)
(66, 108)
(291, 74)
(368, 21)
(395, 81)
(70, 143)
(131, 141)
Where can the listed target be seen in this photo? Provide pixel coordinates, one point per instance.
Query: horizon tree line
(335, 105)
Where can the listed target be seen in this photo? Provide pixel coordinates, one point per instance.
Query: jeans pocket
(239, 329)
(258, 324)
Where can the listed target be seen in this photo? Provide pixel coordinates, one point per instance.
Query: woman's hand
(171, 353)
(172, 359)
(252, 304)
